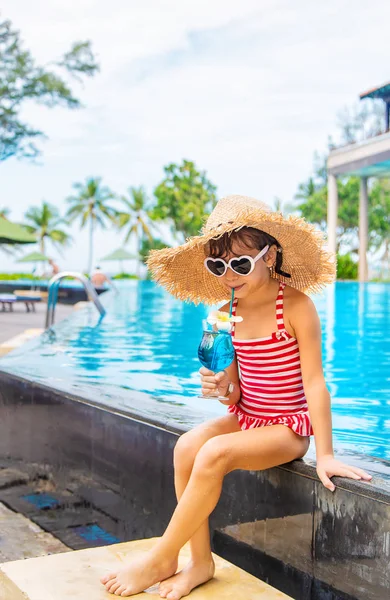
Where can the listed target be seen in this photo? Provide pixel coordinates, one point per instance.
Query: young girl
(274, 389)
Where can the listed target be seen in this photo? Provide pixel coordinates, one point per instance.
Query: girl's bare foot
(190, 577)
(139, 575)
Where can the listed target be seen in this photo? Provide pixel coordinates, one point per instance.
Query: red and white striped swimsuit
(271, 379)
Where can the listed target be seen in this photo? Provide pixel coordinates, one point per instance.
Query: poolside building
(368, 158)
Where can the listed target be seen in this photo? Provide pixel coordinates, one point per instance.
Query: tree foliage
(91, 202)
(313, 197)
(148, 245)
(379, 218)
(136, 215)
(45, 222)
(354, 124)
(347, 268)
(184, 198)
(136, 218)
(313, 200)
(361, 121)
(22, 80)
(90, 205)
(314, 209)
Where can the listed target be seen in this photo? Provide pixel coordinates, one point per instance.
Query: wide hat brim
(182, 273)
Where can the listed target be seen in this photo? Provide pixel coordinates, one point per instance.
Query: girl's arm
(307, 330)
(306, 325)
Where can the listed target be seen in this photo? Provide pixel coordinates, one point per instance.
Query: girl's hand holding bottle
(216, 353)
(214, 382)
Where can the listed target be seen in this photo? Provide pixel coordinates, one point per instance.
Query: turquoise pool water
(148, 342)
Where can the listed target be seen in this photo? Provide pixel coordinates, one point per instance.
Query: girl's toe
(120, 590)
(111, 585)
(115, 587)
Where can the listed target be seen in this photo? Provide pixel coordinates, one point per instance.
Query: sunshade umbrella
(34, 257)
(11, 233)
(121, 254)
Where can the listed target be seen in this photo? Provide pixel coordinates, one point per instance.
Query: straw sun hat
(182, 272)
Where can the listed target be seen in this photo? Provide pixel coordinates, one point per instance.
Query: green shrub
(15, 276)
(347, 268)
(379, 280)
(125, 276)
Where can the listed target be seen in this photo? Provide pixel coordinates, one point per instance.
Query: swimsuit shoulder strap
(279, 307)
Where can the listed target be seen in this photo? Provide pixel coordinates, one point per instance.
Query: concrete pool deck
(16, 322)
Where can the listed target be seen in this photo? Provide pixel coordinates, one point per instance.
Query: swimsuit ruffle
(299, 422)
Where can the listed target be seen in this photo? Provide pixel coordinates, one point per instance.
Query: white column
(363, 229)
(332, 212)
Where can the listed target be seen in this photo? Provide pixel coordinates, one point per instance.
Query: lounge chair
(8, 300)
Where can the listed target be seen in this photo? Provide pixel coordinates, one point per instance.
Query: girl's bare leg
(254, 449)
(201, 566)
(186, 450)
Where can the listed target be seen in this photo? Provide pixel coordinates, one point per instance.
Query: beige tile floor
(76, 575)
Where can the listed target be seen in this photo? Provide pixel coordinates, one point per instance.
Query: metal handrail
(52, 290)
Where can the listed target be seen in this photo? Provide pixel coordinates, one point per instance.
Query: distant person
(99, 279)
(55, 269)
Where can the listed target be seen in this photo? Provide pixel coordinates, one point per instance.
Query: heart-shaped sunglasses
(241, 265)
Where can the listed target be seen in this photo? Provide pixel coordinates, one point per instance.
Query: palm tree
(136, 218)
(306, 189)
(4, 212)
(90, 205)
(279, 205)
(44, 221)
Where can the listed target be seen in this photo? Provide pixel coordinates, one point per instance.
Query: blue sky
(248, 90)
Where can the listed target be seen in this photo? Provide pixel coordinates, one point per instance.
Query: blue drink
(215, 351)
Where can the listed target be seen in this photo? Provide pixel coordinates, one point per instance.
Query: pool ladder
(52, 296)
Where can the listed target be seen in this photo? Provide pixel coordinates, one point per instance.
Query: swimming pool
(147, 344)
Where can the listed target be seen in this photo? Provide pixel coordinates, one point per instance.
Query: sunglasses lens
(242, 266)
(216, 267)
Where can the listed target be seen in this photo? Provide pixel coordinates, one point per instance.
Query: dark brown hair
(247, 236)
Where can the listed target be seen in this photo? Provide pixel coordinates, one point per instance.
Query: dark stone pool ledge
(281, 524)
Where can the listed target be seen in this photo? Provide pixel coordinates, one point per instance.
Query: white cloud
(249, 90)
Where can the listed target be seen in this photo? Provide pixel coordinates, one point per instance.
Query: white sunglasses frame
(252, 261)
